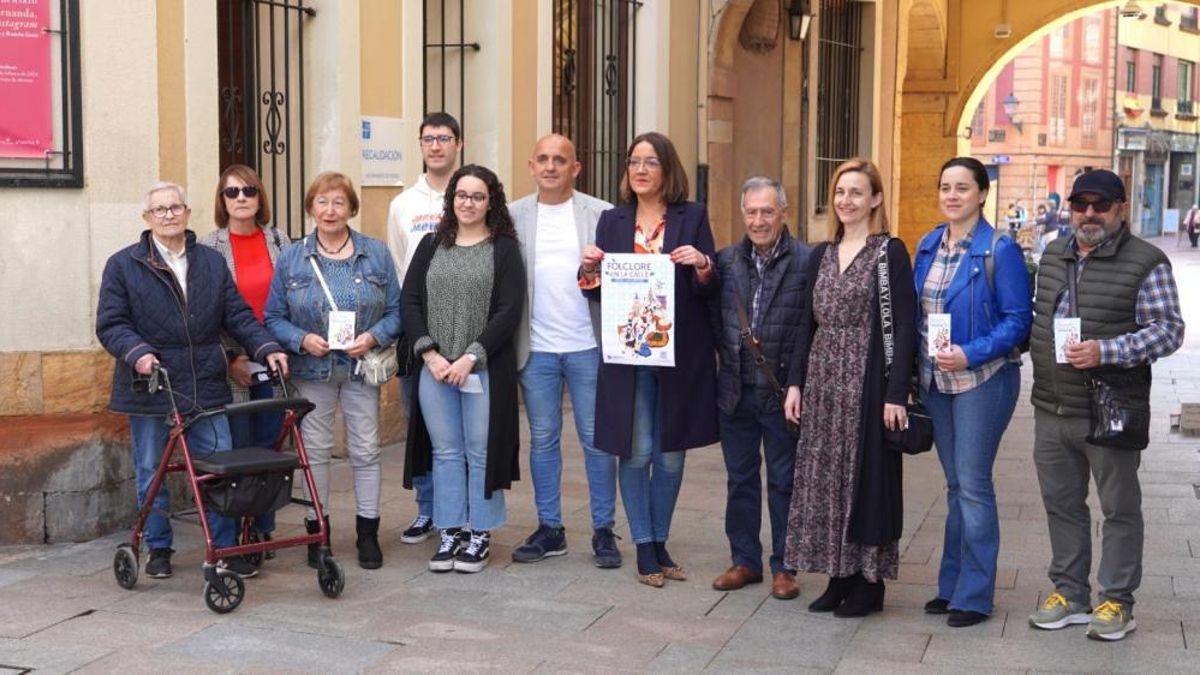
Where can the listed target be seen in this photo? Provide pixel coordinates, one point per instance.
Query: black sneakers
(420, 529)
(546, 541)
(159, 565)
(605, 553)
(452, 544)
(240, 566)
(475, 556)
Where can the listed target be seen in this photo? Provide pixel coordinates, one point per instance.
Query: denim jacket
(986, 322)
(297, 305)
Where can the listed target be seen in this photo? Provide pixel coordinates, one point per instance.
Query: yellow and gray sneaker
(1111, 621)
(1058, 612)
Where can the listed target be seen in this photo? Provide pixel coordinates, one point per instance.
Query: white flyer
(341, 329)
(1066, 332)
(637, 309)
(472, 385)
(939, 333)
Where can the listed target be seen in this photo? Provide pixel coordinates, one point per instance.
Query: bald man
(559, 341)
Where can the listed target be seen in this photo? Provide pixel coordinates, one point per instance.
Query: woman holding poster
(648, 415)
(973, 286)
(846, 513)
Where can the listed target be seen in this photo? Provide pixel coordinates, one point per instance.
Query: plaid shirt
(1157, 313)
(933, 301)
(760, 264)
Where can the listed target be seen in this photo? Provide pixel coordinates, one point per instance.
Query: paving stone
(40, 657)
(239, 645)
(705, 631)
(682, 658)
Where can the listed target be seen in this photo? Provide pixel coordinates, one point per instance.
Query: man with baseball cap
(1125, 297)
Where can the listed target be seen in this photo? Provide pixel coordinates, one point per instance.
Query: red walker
(221, 472)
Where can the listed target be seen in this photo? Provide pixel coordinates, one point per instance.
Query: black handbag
(248, 494)
(917, 436)
(405, 359)
(1115, 424)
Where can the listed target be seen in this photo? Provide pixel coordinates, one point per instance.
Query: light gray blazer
(524, 215)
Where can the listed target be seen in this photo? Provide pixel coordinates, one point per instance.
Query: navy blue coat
(687, 410)
(142, 311)
(782, 307)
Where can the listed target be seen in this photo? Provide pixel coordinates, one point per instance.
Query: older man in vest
(1125, 297)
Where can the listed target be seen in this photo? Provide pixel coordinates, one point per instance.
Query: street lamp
(798, 19)
(1010, 109)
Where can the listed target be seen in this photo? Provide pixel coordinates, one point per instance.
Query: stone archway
(932, 109)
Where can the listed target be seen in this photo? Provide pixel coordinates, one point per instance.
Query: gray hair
(164, 185)
(760, 183)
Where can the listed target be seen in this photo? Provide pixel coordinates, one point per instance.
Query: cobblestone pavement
(60, 609)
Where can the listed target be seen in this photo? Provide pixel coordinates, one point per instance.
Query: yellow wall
(172, 113)
(381, 63)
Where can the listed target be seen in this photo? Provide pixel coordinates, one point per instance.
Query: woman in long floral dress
(846, 513)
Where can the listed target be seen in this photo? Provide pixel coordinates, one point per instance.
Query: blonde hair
(878, 223)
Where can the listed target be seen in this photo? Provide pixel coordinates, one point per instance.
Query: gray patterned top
(459, 286)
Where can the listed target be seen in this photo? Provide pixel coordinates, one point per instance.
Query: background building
(1156, 112)
(1044, 119)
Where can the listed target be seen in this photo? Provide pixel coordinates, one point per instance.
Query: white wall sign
(382, 151)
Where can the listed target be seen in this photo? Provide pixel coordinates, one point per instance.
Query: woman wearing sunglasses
(250, 245)
(965, 271)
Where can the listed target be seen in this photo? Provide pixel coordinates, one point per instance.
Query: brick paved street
(61, 610)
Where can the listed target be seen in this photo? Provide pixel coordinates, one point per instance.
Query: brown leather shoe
(784, 586)
(736, 577)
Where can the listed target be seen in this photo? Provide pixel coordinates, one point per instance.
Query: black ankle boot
(370, 557)
(835, 593)
(864, 598)
(314, 550)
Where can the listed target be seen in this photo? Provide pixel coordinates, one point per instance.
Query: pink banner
(26, 118)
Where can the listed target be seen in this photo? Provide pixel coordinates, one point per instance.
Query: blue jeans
(742, 433)
(542, 383)
(458, 428)
(260, 430)
(149, 435)
(423, 484)
(650, 478)
(967, 428)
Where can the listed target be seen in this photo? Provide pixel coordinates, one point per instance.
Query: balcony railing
(1185, 107)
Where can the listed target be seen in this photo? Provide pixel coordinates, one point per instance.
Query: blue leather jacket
(986, 323)
(297, 304)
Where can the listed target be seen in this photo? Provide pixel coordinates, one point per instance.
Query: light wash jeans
(360, 410)
(149, 434)
(650, 478)
(423, 484)
(542, 383)
(966, 429)
(458, 428)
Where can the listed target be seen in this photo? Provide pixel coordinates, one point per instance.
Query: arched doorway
(934, 110)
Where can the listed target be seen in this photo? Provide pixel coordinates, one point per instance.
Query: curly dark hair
(498, 220)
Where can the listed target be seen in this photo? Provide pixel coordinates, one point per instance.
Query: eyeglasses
(161, 212)
(476, 198)
(232, 191)
(442, 139)
(1100, 206)
(338, 203)
(650, 163)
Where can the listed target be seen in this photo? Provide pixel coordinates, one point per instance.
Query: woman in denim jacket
(971, 382)
(359, 274)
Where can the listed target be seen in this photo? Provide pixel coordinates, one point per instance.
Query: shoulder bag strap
(755, 347)
(883, 276)
(321, 278)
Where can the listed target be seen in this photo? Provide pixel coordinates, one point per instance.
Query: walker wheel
(224, 597)
(331, 578)
(125, 566)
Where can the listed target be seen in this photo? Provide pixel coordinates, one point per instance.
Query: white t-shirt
(560, 322)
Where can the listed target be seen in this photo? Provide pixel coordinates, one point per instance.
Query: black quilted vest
(1108, 290)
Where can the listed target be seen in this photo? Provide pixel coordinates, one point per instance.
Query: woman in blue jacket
(970, 382)
(333, 273)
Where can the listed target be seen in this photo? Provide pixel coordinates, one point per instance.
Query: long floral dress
(827, 454)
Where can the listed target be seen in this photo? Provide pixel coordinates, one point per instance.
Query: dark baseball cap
(1100, 182)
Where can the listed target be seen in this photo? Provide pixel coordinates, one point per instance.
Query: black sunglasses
(232, 191)
(1101, 206)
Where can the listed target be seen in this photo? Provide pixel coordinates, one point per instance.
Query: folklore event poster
(637, 313)
(26, 117)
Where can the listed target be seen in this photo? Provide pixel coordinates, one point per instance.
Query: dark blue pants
(742, 435)
(260, 430)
